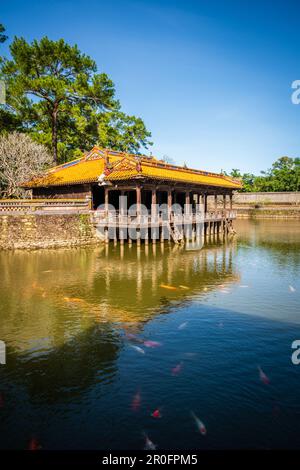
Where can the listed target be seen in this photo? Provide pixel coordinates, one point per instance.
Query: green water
(68, 318)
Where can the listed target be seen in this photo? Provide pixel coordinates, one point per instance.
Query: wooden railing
(114, 218)
(43, 205)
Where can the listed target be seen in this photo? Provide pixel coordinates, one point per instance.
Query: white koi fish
(149, 445)
(137, 349)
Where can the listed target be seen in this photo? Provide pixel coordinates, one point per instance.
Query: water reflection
(68, 316)
(50, 297)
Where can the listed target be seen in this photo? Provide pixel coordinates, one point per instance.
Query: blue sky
(211, 79)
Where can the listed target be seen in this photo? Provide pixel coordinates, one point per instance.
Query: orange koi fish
(136, 402)
(165, 286)
(73, 299)
(177, 369)
(34, 444)
(263, 377)
(200, 425)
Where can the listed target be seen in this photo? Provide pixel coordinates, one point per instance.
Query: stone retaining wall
(45, 231)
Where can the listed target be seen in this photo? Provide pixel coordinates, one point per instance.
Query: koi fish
(225, 291)
(156, 413)
(48, 271)
(73, 299)
(184, 287)
(177, 369)
(263, 377)
(132, 337)
(34, 444)
(149, 445)
(165, 286)
(292, 289)
(151, 344)
(190, 354)
(136, 402)
(200, 425)
(182, 326)
(137, 349)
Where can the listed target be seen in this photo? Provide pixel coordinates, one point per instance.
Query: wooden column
(230, 197)
(153, 215)
(169, 203)
(138, 199)
(153, 201)
(216, 202)
(106, 194)
(188, 200)
(224, 201)
(205, 203)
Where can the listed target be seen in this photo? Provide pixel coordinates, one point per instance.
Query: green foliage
(54, 90)
(283, 176)
(3, 37)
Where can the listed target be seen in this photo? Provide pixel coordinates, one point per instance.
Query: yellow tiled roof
(124, 167)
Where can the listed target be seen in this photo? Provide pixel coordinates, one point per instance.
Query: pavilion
(102, 176)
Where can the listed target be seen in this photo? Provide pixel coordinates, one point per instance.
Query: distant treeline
(284, 175)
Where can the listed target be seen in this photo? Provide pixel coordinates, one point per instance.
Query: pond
(107, 345)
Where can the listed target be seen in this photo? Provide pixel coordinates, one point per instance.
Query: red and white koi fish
(183, 325)
(156, 413)
(137, 349)
(136, 402)
(151, 344)
(177, 369)
(292, 289)
(34, 444)
(200, 425)
(263, 377)
(149, 445)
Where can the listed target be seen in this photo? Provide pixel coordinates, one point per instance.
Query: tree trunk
(54, 136)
